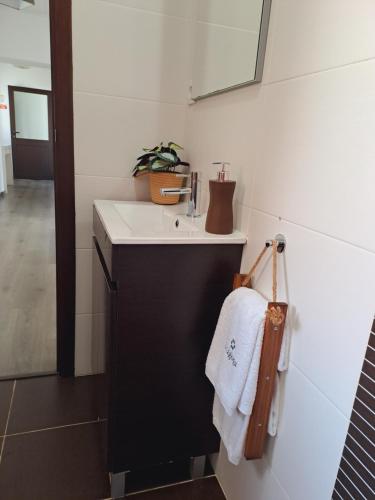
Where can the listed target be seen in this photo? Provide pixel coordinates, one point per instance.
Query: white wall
(131, 78)
(10, 75)
(24, 41)
(302, 149)
(24, 36)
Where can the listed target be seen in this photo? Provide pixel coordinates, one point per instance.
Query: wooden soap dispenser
(220, 211)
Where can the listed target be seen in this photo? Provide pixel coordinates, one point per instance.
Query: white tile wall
(306, 453)
(227, 128)
(84, 280)
(302, 149)
(330, 288)
(120, 127)
(322, 155)
(246, 15)
(146, 56)
(131, 79)
(249, 480)
(89, 188)
(177, 8)
(313, 36)
(89, 347)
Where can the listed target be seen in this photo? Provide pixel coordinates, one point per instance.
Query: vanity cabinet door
(104, 318)
(169, 299)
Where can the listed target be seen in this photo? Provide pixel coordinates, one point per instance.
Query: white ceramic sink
(135, 222)
(143, 219)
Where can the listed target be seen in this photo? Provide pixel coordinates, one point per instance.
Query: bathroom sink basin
(143, 218)
(136, 222)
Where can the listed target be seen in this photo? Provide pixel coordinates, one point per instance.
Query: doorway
(31, 133)
(37, 214)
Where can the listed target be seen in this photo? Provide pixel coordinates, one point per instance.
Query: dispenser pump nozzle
(222, 174)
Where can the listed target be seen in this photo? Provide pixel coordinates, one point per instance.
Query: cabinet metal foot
(197, 466)
(117, 485)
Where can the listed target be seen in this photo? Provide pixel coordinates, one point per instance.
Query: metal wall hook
(281, 242)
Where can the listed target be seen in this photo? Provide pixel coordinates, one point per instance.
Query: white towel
(284, 351)
(233, 364)
(232, 430)
(232, 348)
(273, 420)
(282, 366)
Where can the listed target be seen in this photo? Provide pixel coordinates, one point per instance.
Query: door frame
(12, 116)
(60, 13)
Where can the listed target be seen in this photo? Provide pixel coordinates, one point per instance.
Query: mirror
(230, 43)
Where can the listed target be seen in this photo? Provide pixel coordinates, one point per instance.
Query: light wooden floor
(27, 279)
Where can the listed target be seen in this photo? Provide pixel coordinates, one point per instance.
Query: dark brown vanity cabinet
(159, 305)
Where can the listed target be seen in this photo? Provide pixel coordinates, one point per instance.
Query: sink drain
(177, 223)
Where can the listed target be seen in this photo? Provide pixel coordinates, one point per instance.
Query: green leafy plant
(159, 159)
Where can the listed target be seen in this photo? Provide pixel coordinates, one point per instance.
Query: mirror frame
(262, 43)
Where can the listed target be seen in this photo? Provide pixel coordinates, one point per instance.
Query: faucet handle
(174, 191)
(193, 199)
(222, 174)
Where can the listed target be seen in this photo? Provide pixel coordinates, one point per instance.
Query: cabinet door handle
(112, 285)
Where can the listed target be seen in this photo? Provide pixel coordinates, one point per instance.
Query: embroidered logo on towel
(229, 352)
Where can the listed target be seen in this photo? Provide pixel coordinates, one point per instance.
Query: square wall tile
(177, 8)
(313, 36)
(241, 216)
(319, 171)
(246, 15)
(226, 128)
(84, 288)
(149, 55)
(90, 188)
(330, 288)
(250, 480)
(110, 132)
(89, 344)
(306, 453)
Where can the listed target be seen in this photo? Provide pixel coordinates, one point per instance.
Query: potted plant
(160, 164)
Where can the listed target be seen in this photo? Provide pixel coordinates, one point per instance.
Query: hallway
(28, 279)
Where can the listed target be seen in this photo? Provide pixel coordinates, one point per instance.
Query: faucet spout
(174, 191)
(192, 191)
(192, 203)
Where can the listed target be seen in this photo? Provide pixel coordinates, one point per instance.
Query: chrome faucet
(193, 198)
(192, 190)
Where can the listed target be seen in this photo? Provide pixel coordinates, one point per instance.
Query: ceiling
(40, 8)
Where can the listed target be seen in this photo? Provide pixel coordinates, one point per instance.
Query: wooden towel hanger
(273, 336)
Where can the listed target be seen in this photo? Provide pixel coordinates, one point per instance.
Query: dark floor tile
(58, 464)
(6, 388)
(159, 475)
(162, 475)
(202, 489)
(52, 401)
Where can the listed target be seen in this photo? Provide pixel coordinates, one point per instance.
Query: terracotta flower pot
(164, 180)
